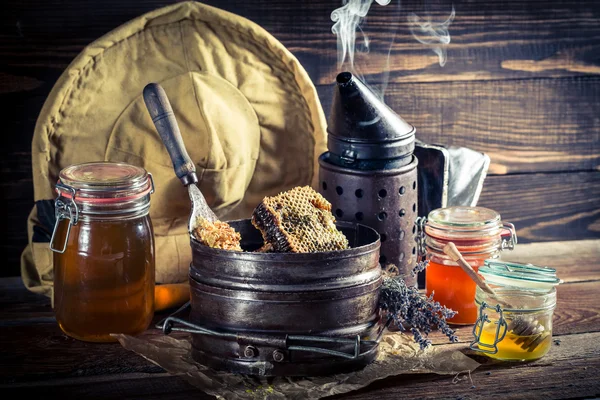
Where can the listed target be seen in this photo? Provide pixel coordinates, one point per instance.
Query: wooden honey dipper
(531, 332)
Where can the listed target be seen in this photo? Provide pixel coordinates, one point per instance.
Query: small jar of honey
(515, 324)
(478, 234)
(103, 247)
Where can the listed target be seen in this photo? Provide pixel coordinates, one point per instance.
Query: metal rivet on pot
(278, 356)
(250, 351)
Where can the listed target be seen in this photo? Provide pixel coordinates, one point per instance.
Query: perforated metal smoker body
(385, 200)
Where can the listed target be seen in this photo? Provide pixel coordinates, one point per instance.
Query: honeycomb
(298, 221)
(218, 235)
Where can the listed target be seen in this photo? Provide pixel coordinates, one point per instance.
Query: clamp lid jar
(103, 246)
(516, 323)
(479, 234)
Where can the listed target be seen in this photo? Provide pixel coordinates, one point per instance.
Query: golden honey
(104, 281)
(515, 347)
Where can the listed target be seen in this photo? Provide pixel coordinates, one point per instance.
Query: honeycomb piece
(218, 235)
(298, 221)
(265, 248)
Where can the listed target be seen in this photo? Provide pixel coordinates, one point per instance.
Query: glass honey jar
(103, 246)
(515, 323)
(479, 234)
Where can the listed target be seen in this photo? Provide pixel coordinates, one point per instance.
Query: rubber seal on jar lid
(519, 275)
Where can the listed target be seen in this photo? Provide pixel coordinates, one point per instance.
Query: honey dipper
(531, 332)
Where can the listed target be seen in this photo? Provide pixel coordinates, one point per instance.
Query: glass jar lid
(515, 275)
(104, 181)
(464, 218)
(472, 229)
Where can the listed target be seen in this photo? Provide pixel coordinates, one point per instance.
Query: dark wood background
(522, 83)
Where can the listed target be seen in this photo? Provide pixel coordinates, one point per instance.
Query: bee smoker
(369, 173)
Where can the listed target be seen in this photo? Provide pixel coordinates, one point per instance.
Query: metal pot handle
(287, 342)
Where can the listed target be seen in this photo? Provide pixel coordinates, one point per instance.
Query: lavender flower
(420, 267)
(407, 306)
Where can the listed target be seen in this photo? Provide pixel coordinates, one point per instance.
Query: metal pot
(286, 313)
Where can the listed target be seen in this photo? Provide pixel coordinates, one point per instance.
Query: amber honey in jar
(515, 324)
(103, 247)
(479, 234)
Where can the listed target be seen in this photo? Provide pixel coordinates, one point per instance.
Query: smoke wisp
(347, 27)
(433, 34)
(348, 19)
(354, 46)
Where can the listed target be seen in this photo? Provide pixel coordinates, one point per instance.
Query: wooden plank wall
(521, 83)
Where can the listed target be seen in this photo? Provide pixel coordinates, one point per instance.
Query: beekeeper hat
(248, 112)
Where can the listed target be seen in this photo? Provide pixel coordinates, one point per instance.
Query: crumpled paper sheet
(398, 355)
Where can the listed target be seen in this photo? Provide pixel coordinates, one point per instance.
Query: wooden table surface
(36, 358)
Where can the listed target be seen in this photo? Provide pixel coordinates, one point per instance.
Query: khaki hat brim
(248, 112)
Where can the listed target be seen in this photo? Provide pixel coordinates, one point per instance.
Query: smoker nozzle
(362, 128)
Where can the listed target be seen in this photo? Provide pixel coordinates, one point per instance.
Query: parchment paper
(398, 355)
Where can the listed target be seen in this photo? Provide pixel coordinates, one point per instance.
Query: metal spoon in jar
(162, 115)
(531, 332)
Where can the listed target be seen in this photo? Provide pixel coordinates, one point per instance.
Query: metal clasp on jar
(509, 236)
(501, 329)
(420, 237)
(152, 184)
(64, 210)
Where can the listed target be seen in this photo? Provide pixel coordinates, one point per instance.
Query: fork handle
(162, 115)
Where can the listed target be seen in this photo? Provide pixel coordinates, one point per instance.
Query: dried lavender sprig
(420, 267)
(407, 306)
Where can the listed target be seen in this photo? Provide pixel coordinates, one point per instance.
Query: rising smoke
(430, 33)
(348, 20)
